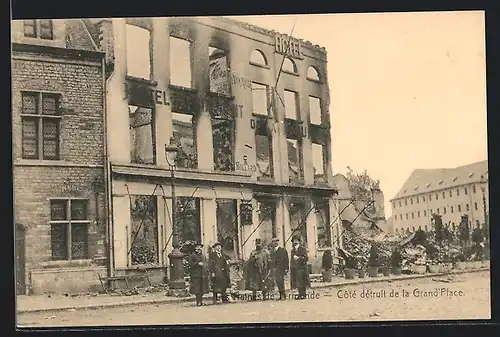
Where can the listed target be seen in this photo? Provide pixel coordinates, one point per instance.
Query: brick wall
(80, 170)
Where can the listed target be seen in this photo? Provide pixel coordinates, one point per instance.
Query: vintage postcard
(263, 169)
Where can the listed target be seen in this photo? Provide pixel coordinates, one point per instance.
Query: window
(426, 228)
(189, 220)
(413, 228)
(418, 214)
(298, 223)
(444, 210)
(406, 202)
(399, 203)
(267, 220)
(467, 207)
(144, 230)
(312, 74)
(219, 71)
(444, 195)
(315, 110)
(323, 228)
(258, 58)
(473, 188)
(459, 208)
(69, 221)
(263, 151)
(184, 135)
(423, 198)
(142, 135)
(451, 194)
(458, 192)
(465, 190)
(437, 196)
(401, 217)
(294, 159)
(41, 118)
(289, 66)
(418, 199)
(395, 218)
(42, 29)
(259, 99)
(475, 206)
(425, 213)
(438, 211)
(430, 197)
(406, 216)
(412, 215)
(138, 46)
(318, 153)
(451, 209)
(291, 111)
(411, 201)
(227, 227)
(180, 62)
(223, 144)
(477, 224)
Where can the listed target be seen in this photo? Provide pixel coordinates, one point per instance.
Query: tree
(361, 186)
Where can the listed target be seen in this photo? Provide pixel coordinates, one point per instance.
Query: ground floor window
(267, 221)
(144, 230)
(227, 227)
(298, 224)
(69, 221)
(323, 226)
(189, 220)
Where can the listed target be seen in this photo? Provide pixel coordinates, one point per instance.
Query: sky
(408, 90)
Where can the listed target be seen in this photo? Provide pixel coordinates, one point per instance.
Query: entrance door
(20, 260)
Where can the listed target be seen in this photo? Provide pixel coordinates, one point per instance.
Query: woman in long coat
(299, 273)
(199, 276)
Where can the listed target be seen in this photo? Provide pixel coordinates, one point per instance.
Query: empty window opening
(323, 227)
(184, 135)
(138, 52)
(312, 74)
(223, 144)
(318, 152)
(142, 139)
(263, 150)
(259, 99)
(219, 71)
(289, 66)
(180, 62)
(227, 227)
(298, 225)
(315, 110)
(291, 111)
(294, 159)
(42, 29)
(258, 58)
(189, 220)
(144, 230)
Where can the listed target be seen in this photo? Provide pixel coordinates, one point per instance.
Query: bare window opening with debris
(289, 66)
(291, 111)
(138, 52)
(142, 146)
(259, 99)
(180, 63)
(184, 135)
(318, 153)
(315, 110)
(267, 220)
(69, 221)
(227, 227)
(298, 223)
(258, 58)
(223, 144)
(312, 74)
(322, 212)
(144, 230)
(43, 29)
(219, 71)
(294, 160)
(263, 150)
(189, 220)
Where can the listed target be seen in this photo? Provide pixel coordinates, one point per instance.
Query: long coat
(280, 263)
(219, 272)
(258, 270)
(299, 273)
(198, 274)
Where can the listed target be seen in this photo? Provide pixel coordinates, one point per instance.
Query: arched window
(257, 57)
(289, 66)
(312, 74)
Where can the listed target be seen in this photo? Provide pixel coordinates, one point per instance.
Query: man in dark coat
(198, 272)
(258, 271)
(219, 273)
(280, 265)
(299, 273)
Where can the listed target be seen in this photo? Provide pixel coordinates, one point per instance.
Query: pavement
(54, 303)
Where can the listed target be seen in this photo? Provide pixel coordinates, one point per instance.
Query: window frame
(191, 61)
(37, 28)
(69, 222)
(328, 230)
(150, 52)
(296, 103)
(152, 125)
(40, 117)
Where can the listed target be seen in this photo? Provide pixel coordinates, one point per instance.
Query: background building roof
(428, 180)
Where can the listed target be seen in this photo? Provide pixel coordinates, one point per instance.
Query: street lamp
(175, 257)
(484, 183)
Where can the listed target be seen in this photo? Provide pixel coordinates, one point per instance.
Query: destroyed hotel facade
(247, 111)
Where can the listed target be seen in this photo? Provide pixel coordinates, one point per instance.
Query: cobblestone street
(465, 296)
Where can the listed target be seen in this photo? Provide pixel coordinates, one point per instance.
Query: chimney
(105, 39)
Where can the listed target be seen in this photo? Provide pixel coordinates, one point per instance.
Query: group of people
(264, 271)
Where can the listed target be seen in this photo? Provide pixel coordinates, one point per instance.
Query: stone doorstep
(121, 302)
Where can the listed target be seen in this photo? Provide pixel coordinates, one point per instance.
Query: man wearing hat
(219, 273)
(299, 274)
(279, 266)
(258, 270)
(198, 272)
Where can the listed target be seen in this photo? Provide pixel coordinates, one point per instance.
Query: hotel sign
(281, 46)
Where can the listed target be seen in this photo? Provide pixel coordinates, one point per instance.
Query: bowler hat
(275, 240)
(296, 238)
(198, 245)
(215, 245)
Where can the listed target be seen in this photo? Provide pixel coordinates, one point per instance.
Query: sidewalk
(54, 303)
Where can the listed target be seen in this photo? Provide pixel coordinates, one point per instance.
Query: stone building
(58, 156)
(254, 142)
(450, 192)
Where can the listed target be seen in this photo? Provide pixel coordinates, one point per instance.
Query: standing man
(258, 271)
(280, 265)
(299, 275)
(219, 272)
(198, 272)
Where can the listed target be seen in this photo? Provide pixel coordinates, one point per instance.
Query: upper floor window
(406, 202)
(411, 201)
(291, 110)
(465, 190)
(393, 205)
(417, 199)
(180, 62)
(458, 191)
(259, 99)
(258, 58)
(444, 195)
(451, 194)
(142, 135)
(473, 188)
(138, 52)
(312, 74)
(41, 119)
(318, 152)
(219, 71)
(289, 66)
(315, 110)
(294, 159)
(42, 29)
(423, 198)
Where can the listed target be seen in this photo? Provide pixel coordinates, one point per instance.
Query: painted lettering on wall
(245, 167)
(160, 97)
(281, 46)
